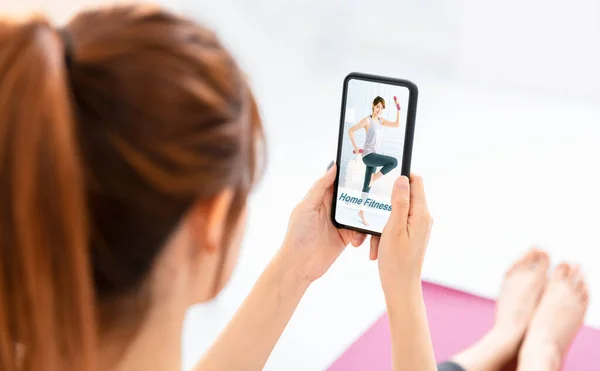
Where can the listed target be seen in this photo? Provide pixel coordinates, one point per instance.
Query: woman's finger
(347, 236)
(374, 252)
(358, 239)
(327, 200)
(352, 237)
(319, 189)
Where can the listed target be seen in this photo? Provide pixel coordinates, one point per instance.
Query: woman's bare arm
(249, 338)
(362, 124)
(393, 124)
(311, 245)
(401, 251)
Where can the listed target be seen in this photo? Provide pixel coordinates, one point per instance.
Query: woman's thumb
(400, 204)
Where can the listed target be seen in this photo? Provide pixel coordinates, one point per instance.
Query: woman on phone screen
(371, 156)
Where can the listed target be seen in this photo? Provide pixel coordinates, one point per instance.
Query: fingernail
(330, 165)
(402, 183)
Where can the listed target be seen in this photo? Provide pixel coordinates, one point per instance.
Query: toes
(541, 261)
(585, 297)
(525, 260)
(561, 272)
(529, 258)
(573, 275)
(581, 287)
(534, 258)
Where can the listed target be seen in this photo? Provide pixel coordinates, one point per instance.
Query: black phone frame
(411, 115)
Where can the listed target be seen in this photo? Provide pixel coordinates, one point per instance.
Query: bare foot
(374, 178)
(556, 321)
(362, 217)
(522, 288)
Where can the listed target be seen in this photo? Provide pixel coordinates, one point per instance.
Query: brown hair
(378, 100)
(100, 158)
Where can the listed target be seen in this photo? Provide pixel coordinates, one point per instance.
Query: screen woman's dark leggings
(450, 366)
(373, 161)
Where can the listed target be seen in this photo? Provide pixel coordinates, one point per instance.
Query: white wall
(538, 45)
(548, 47)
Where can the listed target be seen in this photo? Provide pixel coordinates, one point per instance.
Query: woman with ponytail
(129, 142)
(47, 315)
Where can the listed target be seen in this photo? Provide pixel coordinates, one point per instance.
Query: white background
(507, 141)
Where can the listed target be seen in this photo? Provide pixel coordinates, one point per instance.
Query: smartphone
(377, 125)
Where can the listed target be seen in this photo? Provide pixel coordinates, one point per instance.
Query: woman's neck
(155, 345)
(147, 333)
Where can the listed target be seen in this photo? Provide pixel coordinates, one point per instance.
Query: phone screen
(370, 154)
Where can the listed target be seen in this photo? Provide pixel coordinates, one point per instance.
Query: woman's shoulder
(364, 121)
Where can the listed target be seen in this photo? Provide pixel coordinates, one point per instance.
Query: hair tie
(68, 45)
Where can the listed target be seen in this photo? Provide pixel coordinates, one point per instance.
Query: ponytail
(47, 319)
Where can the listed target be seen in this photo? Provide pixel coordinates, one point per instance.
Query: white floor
(349, 216)
(503, 170)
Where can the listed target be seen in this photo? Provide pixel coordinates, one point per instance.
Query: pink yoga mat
(456, 320)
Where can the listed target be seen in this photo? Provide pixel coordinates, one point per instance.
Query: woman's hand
(401, 251)
(312, 243)
(401, 248)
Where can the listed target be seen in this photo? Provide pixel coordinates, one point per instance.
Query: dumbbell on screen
(397, 103)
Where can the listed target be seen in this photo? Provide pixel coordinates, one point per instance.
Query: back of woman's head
(110, 129)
